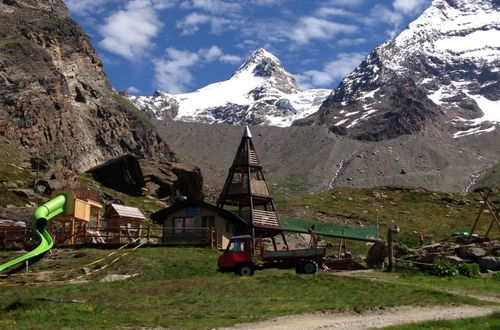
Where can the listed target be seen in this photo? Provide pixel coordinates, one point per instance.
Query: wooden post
(149, 234)
(390, 247)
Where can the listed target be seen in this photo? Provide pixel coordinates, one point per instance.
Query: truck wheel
(244, 270)
(309, 267)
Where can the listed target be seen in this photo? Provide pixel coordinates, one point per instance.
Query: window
(237, 246)
(180, 225)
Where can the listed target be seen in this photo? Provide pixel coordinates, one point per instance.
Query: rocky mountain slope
(261, 91)
(439, 77)
(55, 99)
(311, 158)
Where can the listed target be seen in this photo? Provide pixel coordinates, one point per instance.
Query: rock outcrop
(55, 99)
(163, 180)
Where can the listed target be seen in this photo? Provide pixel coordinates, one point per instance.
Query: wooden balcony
(265, 219)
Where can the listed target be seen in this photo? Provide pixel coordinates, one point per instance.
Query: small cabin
(199, 223)
(82, 210)
(123, 223)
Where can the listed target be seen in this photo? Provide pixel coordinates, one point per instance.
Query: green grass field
(180, 288)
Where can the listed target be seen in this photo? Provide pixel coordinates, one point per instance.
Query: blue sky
(181, 45)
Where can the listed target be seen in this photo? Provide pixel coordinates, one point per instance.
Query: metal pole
(390, 247)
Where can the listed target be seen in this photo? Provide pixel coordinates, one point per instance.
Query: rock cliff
(55, 99)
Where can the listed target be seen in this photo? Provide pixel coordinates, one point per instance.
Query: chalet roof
(128, 211)
(162, 214)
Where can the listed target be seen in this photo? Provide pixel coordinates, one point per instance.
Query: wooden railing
(13, 238)
(86, 194)
(17, 239)
(254, 160)
(265, 218)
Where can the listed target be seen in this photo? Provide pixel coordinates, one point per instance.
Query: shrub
(469, 270)
(496, 276)
(444, 269)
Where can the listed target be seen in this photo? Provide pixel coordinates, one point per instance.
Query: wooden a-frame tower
(246, 193)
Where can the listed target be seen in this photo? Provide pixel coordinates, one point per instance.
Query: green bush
(496, 276)
(469, 270)
(444, 269)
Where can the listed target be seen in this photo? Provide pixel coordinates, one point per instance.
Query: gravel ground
(368, 319)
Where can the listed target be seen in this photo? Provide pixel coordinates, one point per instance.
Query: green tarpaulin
(360, 233)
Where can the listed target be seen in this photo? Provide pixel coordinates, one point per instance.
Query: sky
(178, 46)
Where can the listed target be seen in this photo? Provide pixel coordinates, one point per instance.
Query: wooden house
(198, 223)
(82, 211)
(123, 223)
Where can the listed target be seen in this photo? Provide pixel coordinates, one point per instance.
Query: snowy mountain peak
(261, 92)
(440, 72)
(263, 64)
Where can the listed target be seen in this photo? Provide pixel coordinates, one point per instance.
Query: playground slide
(41, 219)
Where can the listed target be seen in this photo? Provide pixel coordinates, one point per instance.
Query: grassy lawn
(180, 288)
(490, 322)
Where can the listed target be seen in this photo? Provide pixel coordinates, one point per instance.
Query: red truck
(239, 258)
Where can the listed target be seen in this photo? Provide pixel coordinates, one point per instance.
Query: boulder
(489, 263)
(123, 174)
(172, 180)
(496, 251)
(471, 252)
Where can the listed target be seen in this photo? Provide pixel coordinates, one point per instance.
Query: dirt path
(368, 319)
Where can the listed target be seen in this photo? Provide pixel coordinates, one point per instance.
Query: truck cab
(238, 256)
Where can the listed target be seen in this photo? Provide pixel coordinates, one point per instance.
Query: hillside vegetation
(414, 210)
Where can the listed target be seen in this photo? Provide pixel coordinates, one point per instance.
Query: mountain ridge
(438, 76)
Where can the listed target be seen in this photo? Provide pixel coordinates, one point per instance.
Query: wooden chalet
(198, 223)
(123, 223)
(246, 192)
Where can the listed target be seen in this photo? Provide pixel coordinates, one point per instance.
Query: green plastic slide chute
(41, 219)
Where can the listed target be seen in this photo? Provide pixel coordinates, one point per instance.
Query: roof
(353, 232)
(162, 214)
(128, 211)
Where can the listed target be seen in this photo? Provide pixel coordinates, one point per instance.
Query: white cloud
(213, 6)
(86, 7)
(129, 32)
(332, 11)
(190, 24)
(173, 72)
(409, 7)
(133, 90)
(267, 2)
(346, 3)
(331, 72)
(309, 28)
(230, 59)
(350, 41)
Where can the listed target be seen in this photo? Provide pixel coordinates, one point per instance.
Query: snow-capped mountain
(261, 92)
(441, 74)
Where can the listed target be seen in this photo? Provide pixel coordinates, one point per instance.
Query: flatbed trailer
(239, 258)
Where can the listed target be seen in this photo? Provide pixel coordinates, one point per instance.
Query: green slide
(41, 219)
